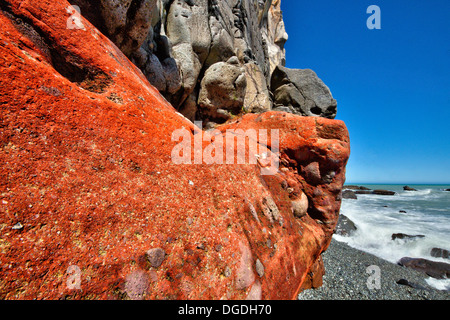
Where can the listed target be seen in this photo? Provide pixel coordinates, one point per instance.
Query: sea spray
(423, 212)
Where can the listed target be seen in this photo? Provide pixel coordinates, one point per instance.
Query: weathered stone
(312, 173)
(245, 276)
(302, 91)
(404, 236)
(259, 268)
(222, 91)
(156, 257)
(352, 187)
(300, 206)
(438, 270)
(363, 192)
(440, 253)
(383, 192)
(196, 34)
(349, 194)
(136, 285)
(345, 226)
(257, 96)
(17, 226)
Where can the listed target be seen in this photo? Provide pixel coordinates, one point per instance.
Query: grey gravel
(346, 278)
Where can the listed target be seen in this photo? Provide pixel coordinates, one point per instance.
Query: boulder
(407, 188)
(404, 236)
(438, 270)
(222, 91)
(302, 92)
(352, 187)
(345, 226)
(383, 192)
(440, 253)
(349, 194)
(363, 192)
(90, 176)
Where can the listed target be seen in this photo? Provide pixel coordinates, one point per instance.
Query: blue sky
(392, 85)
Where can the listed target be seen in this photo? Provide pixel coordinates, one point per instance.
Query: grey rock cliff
(302, 92)
(184, 48)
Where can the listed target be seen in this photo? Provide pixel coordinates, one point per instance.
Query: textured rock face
(175, 43)
(222, 91)
(302, 92)
(93, 207)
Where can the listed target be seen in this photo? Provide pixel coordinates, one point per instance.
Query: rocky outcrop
(438, 270)
(352, 187)
(349, 194)
(408, 188)
(177, 43)
(345, 226)
(302, 92)
(440, 253)
(93, 205)
(383, 192)
(404, 236)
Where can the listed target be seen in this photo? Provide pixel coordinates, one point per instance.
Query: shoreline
(346, 278)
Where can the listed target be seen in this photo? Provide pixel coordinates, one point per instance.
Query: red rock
(85, 147)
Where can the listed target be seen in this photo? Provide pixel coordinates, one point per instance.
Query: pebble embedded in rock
(227, 272)
(259, 268)
(17, 226)
(156, 257)
(300, 206)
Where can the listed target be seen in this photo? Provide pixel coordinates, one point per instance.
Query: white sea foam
(378, 217)
(439, 284)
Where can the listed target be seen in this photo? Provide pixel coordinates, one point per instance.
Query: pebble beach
(346, 278)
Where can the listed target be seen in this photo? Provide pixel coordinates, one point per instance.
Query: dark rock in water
(345, 226)
(406, 236)
(405, 282)
(440, 253)
(402, 211)
(406, 188)
(377, 192)
(447, 190)
(363, 192)
(438, 270)
(349, 194)
(384, 192)
(302, 92)
(352, 187)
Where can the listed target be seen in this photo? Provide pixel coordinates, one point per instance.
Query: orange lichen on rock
(87, 180)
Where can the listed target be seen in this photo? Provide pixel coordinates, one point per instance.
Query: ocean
(377, 217)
